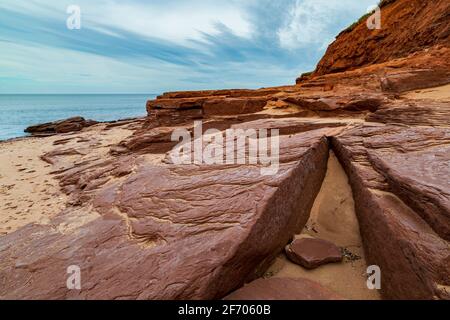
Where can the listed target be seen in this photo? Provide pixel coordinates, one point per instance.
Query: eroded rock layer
(373, 93)
(402, 203)
(407, 26)
(166, 231)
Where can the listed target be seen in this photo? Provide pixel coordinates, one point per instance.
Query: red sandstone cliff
(408, 26)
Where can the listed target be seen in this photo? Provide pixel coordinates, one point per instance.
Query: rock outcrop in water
(141, 227)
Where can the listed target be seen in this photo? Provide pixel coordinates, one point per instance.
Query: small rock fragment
(313, 253)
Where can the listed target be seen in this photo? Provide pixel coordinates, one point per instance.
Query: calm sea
(20, 111)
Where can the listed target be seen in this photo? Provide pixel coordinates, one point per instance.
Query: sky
(137, 46)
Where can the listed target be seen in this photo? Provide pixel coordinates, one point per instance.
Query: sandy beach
(29, 192)
(441, 93)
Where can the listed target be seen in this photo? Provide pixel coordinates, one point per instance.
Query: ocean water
(20, 111)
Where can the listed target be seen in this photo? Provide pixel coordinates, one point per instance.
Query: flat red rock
(313, 253)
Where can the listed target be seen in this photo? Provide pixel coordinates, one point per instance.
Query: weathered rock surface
(62, 126)
(313, 253)
(401, 199)
(413, 113)
(166, 232)
(213, 102)
(283, 289)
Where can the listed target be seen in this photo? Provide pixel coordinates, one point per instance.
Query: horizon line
(55, 94)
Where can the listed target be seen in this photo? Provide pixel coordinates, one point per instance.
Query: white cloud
(310, 21)
(47, 60)
(49, 70)
(171, 20)
(41, 69)
(177, 23)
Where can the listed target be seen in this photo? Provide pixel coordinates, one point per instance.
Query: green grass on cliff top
(381, 4)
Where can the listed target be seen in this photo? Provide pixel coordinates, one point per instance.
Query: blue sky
(136, 46)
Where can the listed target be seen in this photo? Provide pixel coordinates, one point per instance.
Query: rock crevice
(400, 239)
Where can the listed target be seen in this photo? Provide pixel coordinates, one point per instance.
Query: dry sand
(333, 218)
(29, 193)
(441, 93)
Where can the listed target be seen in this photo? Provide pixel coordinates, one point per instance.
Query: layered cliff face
(140, 226)
(407, 26)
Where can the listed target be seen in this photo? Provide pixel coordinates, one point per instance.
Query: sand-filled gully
(333, 218)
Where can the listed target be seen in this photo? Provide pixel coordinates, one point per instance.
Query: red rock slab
(413, 113)
(180, 104)
(419, 179)
(211, 106)
(413, 79)
(170, 117)
(348, 99)
(398, 235)
(313, 253)
(230, 106)
(159, 138)
(288, 126)
(313, 104)
(231, 93)
(415, 162)
(165, 231)
(283, 289)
